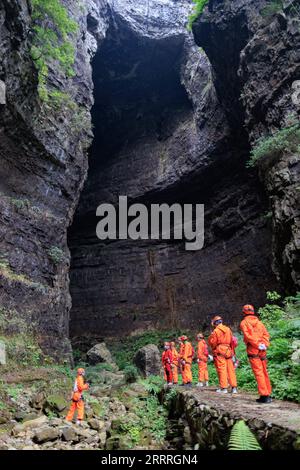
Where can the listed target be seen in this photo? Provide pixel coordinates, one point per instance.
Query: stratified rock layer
(162, 135)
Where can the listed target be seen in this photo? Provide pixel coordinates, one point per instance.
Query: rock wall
(43, 166)
(255, 60)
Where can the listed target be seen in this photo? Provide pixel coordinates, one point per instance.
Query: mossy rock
(98, 409)
(56, 404)
(118, 442)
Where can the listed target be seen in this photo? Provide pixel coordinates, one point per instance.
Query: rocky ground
(118, 415)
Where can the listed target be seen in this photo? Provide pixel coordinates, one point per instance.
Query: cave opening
(139, 101)
(147, 145)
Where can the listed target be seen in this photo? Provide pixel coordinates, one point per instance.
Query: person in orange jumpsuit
(257, 340)
(175, 363)
(77, 399)
(202, 358)
(186, 358)
(220, 341)
(167, 361)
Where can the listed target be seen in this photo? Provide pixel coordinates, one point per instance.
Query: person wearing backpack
(77, 398)
(257, 340)
(202, 358)
(220, 341)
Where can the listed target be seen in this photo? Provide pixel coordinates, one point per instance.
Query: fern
(241, 438)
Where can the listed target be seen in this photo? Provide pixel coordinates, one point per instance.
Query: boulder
(37, 401)
(46, 434)
(31, 424)
(96, 424)
(55, 403)
(69, 434)
(99, 353)
(296, 351)
(148, 360)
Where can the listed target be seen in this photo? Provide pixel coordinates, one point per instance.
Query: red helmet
(80, 371)
(215, 319)
(248, 310)
(184, 338)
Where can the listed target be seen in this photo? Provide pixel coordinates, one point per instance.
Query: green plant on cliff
(197, 10)
(242, 438)
(56, 254)
(285, 140)
(51, 28)
(272, 8)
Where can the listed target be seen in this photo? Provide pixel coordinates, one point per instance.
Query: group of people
(222, 343)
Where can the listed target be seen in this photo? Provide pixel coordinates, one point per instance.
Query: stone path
(281, 413)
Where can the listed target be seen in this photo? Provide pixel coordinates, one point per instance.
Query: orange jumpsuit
(187, 356)
(175, 355)
(77, 400)
(220, 342)
(255, 332)
(202, 356)
(167, 360)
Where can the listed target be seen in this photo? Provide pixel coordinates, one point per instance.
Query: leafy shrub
(20, 204)
(131, 373)
(56, 254)
(153, 384)
(272, 8)
(51, 29)
(197, 10)
(242, 438)
(286, 140)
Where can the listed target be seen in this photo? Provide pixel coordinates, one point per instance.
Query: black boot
(264, 399)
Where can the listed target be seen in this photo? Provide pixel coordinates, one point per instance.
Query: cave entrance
(139, 103)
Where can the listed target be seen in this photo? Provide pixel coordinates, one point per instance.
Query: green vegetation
(7, 272)
(20, 204)
(149, 420)
(282, 318)
(241, 438)
(197, 10)
(52, 28)
(131, 373)
(272, 8)
(22, 349)
(56, 254)
(285, 140)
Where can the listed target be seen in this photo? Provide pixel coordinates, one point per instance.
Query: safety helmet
(80, 371)
(216, 320)
(248, 310)
(184, 338)
(200, 336)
